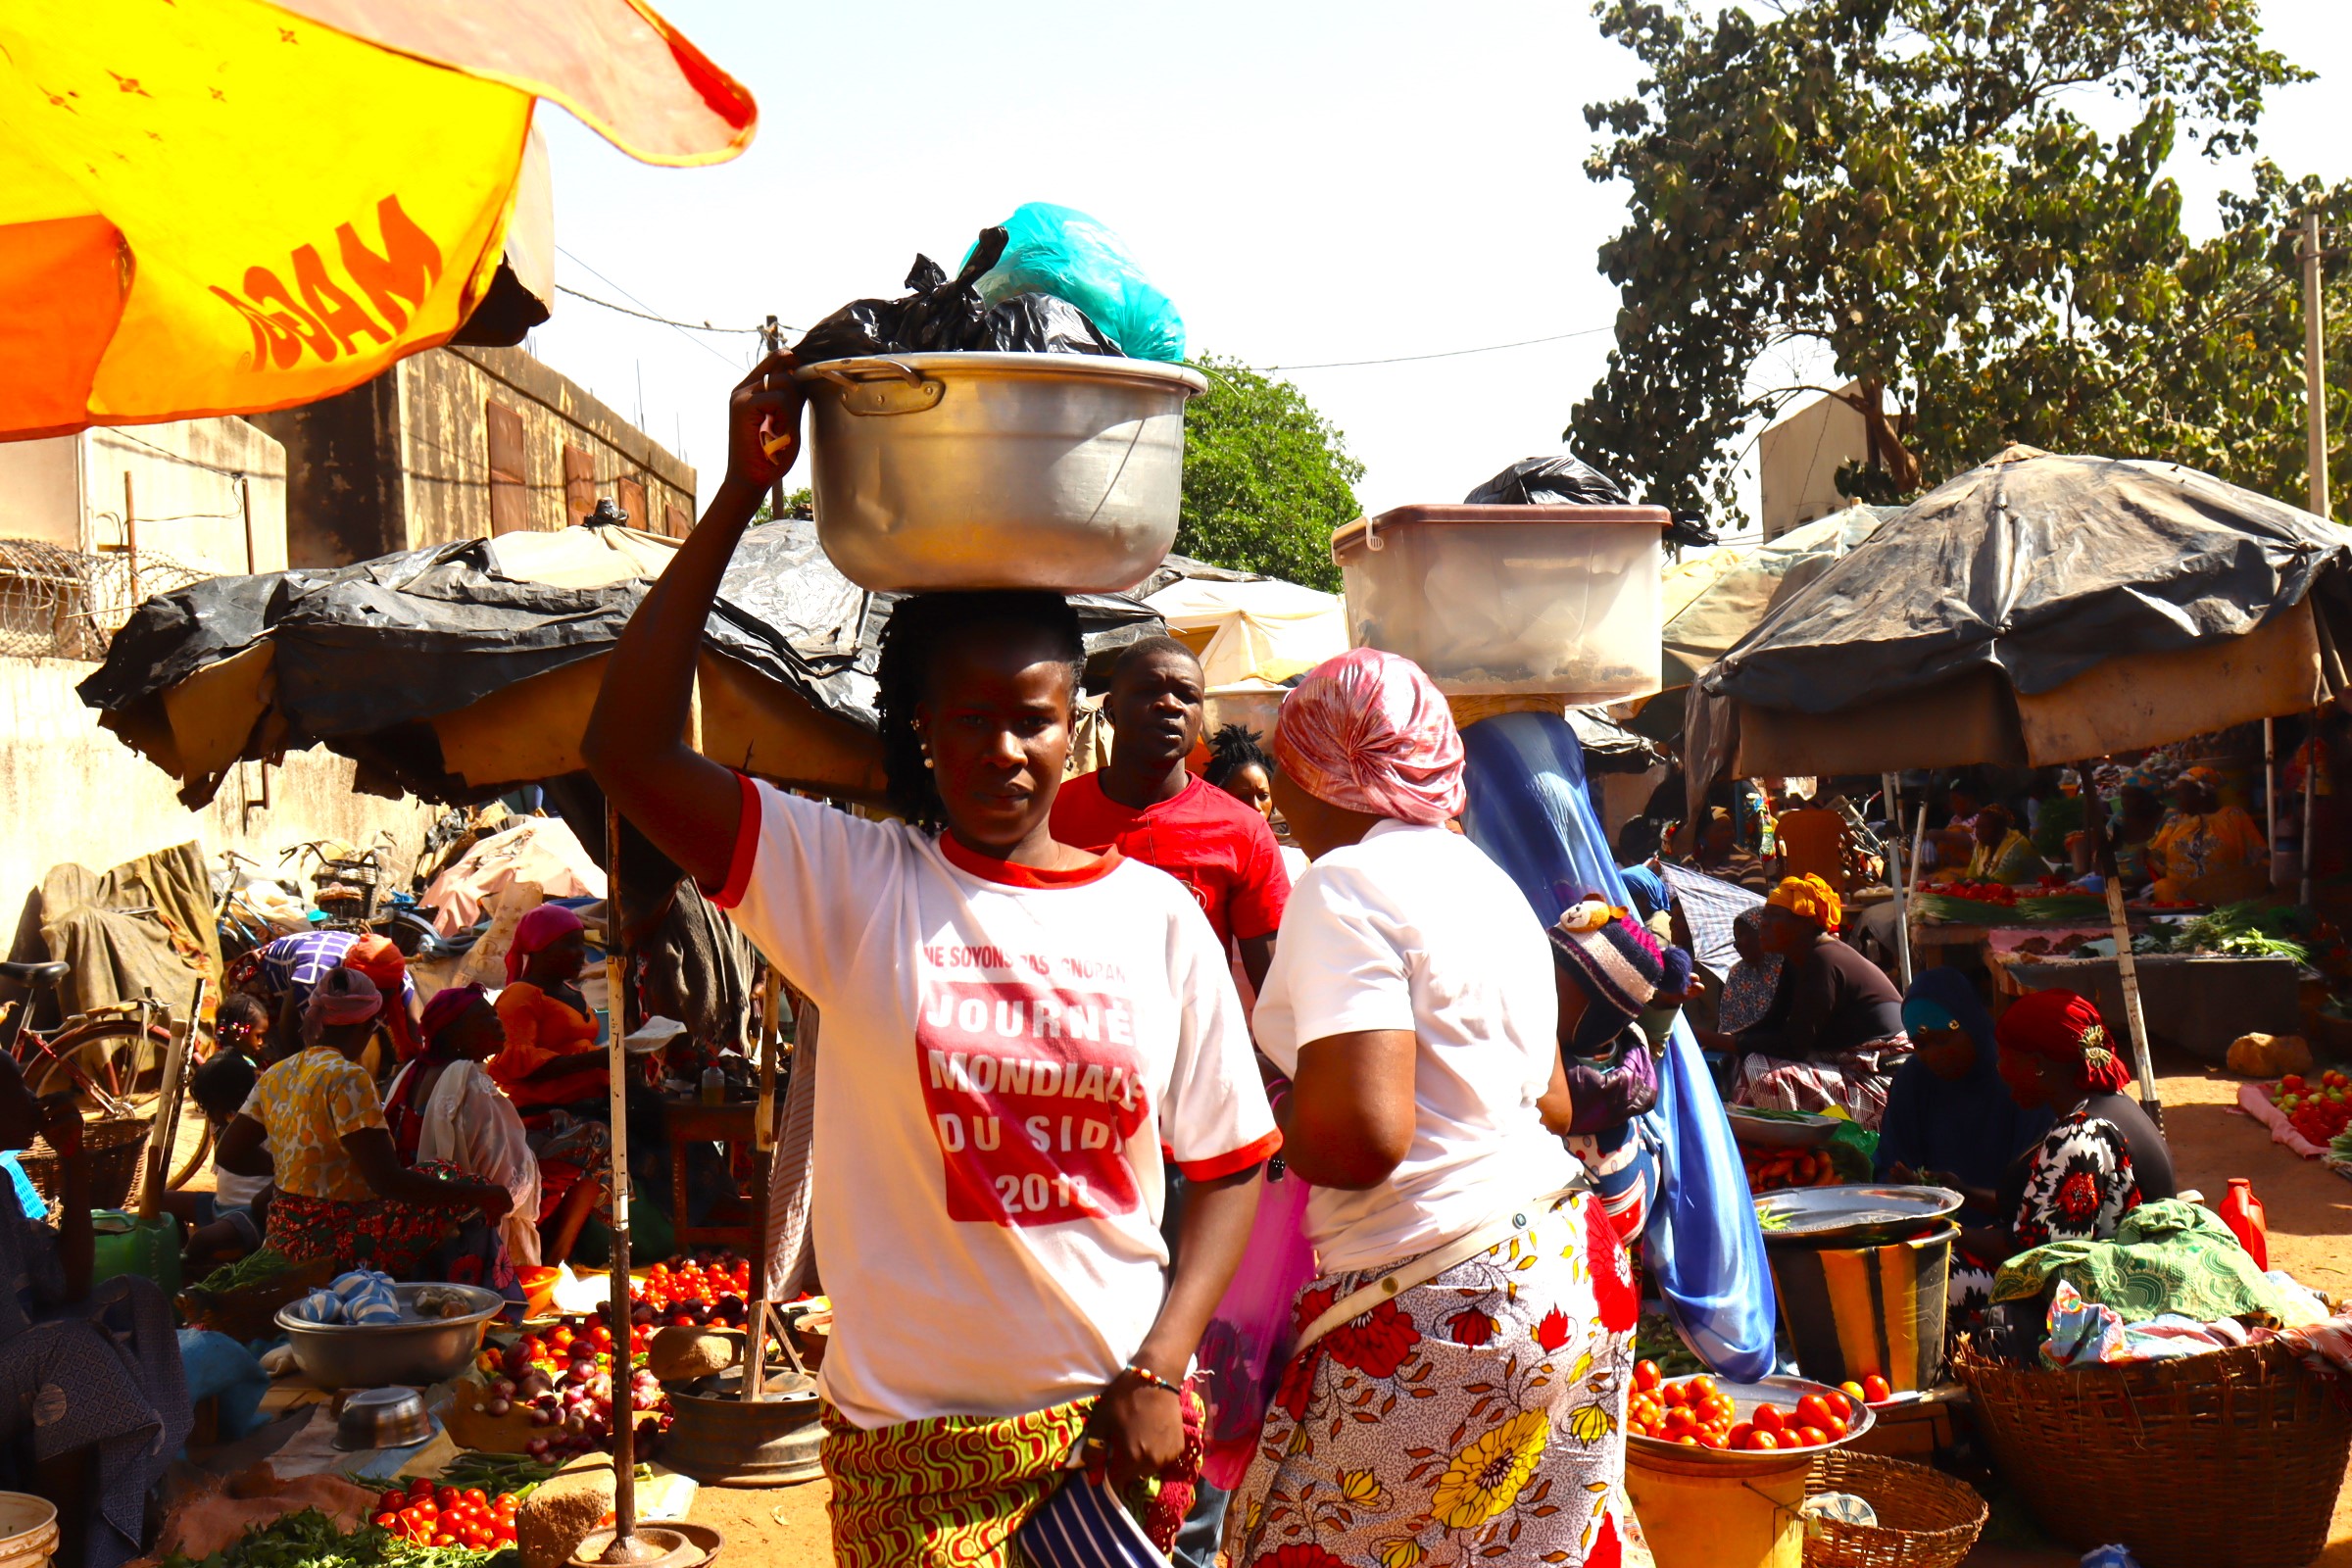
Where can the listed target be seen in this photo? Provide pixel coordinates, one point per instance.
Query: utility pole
(771, 341)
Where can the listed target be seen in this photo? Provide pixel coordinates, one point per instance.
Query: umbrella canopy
(1257, 629)
(456, 671)
(225, 205)
(2034, 611)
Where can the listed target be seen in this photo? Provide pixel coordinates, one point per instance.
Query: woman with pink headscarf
(551, 1057)
(1475, 1300)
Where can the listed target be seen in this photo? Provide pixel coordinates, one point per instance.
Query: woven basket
(1925, 1518)
(114, 1149)
(2231, 1456)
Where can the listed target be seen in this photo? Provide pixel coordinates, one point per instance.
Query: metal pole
(2269, 788)
(625, 1546)
(1919, 838)
(1897, 880)
(2310, 792)
(771, 341)
(131, 539)
(2315, 384)
(252, 557)
(2127, 966)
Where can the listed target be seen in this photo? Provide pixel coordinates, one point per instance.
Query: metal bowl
(1854, 1214)
(1061, 471)
(1781, 1129)
(382, 1418)
(1746, 1397)
(415, 1351)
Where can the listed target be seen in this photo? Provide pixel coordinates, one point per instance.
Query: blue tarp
(1530, 813)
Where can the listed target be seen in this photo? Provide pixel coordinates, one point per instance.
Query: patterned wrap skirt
(952, 1492)
(378, 1233)
(1478, 1416)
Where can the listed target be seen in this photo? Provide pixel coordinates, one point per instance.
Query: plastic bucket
(124, 1244)
(28, 1530)
(1706, 1513)
(1850, 1311)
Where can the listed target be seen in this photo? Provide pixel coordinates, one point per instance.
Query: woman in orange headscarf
(1834, 1034)
(551, 1056)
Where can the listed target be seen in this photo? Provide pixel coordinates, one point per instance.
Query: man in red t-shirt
(1146, 805)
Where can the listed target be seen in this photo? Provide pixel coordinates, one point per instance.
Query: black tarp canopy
(455, 670)
(2036, 609)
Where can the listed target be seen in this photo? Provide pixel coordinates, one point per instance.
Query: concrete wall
(343, 504)
(71, 791)
(446, 454)
(190, 482)
(1797, 462)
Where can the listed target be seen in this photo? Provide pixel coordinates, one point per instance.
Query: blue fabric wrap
(1530, 814)
(1648, 890)
(219, 1367)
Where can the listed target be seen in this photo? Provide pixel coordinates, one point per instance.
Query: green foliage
(1267, 479)
(1905, 185)
(801, 503)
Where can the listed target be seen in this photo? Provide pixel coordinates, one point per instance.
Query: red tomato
(386, 1520)
(1876, 1391)
(1835, 1427)
(392, 1501)
(1771, 1418)
(1701, 1387)
(1812, 1411)
(477, 1496)
(1853, 1391)
(419, 1487)
(1762, 1440)
(1646, 1375)
(1811, 1437)
(1738, 1434)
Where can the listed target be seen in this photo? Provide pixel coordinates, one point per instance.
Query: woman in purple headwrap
(1476, 1301)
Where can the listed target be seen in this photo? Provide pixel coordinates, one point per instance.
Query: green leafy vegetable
(251, 1269)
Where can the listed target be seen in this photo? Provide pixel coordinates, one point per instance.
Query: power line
(1449, 354)
(653, 313)
(643, 316)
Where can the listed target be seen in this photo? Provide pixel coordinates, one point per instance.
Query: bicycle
(87, 1055)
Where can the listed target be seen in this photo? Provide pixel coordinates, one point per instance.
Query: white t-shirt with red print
(1006, 1053)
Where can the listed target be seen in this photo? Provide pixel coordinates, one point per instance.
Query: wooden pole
(764, 1143)
(2315, 383)
(1897, 879)
(625, 1546)
(2127, 966)
(131, 539)
(163, 1134)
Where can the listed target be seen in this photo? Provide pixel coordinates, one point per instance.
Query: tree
(801, 503)
(1267, 479)
(1903, 188)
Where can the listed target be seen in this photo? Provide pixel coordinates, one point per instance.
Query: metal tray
(1858, 1214)
(1746, 1397)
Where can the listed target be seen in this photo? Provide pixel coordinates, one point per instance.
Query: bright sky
(1309, 183)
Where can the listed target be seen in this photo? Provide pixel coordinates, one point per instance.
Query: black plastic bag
(946, 315)
(1560, 480)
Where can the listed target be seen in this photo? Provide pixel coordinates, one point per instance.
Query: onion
(537, 1447)
(503, 1388)
(498, 1406)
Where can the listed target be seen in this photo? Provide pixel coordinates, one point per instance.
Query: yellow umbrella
(225, 207)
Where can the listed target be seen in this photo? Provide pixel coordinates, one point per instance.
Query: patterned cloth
(308, 1104)
(2012, 862)
(952, 1492)
(2223, 843)
(1367, 732)
(2078, 1185)
(540, 1028)
(2164, 1257)
(378, 1233)
(103, 1376)
(1856, 1082)
(1480, 1414)
(295, 963)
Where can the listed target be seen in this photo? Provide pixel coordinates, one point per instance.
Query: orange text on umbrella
(318, 314)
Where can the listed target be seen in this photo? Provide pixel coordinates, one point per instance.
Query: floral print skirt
(1478, 1416)
(378, 1233)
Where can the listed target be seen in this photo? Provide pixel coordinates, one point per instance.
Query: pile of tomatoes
(2319, 1112)
(697, 1291)
(1694, 1412)
(447, 1517)
(1872, 1389)
(1980, 892)
(1770, 1169)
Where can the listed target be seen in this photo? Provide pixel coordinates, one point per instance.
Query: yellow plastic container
(1701, 1513)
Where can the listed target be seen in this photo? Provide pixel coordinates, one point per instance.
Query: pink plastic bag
(1250, 1336)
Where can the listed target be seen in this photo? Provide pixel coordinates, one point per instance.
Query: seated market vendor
(93, 1401)
(1719, 853)
(445, 1107)
(342, 1191)
(2207, 853)
(291, 967)
(1840, 1036)
(1950, 1119)
(551, 1057)
(2100, 1159)
(2003, 854)
(1013, 1031)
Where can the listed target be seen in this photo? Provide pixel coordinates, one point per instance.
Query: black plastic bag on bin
(947, 314)
(1558, 480)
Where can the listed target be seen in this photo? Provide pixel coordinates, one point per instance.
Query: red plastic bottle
(2243, 1213)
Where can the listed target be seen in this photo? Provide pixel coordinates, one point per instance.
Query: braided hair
(921, 626)
(1233, 748)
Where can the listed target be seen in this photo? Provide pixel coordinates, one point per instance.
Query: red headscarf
(542, 928)
(380, 961)
(1367, 732)
(448, 1006)
(2062, 1027)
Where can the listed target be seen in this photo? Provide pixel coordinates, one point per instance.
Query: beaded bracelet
(1152, 1380)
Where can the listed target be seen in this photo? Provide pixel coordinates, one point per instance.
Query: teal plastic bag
(1062, 251)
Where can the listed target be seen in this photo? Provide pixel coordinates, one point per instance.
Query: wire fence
(61, 604)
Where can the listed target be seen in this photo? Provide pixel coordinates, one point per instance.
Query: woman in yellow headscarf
(1834, 1034)
(2207, 851)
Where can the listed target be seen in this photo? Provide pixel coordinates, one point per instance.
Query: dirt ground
(2310, 1215)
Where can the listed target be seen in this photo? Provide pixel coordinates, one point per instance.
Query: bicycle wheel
(204, 1150)
(118, 1055)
